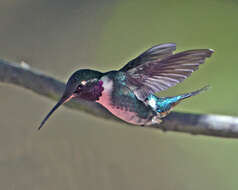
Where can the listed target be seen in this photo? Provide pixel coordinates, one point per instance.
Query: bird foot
(155, 120)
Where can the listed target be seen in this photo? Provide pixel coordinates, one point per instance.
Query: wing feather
(157, 52)
(154, 75)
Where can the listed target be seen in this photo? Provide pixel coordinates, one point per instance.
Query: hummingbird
(129, 93)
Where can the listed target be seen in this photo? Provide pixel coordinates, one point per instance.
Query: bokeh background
(79, 151)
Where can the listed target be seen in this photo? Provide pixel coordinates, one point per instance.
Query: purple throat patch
(92, 92)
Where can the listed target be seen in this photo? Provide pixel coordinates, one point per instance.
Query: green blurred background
(79, 151)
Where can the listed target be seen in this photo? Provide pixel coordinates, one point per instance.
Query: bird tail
(187, 95)
(165, 105)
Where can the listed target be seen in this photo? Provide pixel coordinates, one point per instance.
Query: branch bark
(40, 83)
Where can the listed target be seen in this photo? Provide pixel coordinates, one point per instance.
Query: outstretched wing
(157, 52)
(154, 75)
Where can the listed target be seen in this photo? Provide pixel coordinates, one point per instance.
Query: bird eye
(81, 85)
(83, 82)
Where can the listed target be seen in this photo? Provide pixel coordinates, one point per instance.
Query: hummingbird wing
(157, 52)
(156, 75)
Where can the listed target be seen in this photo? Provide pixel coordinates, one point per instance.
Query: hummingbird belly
(122, 113)
(125, 113)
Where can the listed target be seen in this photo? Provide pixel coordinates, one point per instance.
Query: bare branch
(40, 83)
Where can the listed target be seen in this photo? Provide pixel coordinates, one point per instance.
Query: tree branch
(40, 83)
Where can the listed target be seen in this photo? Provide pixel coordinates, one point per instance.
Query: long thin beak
(60, 102)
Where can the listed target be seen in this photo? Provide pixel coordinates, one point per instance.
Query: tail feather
(187, 95)
(164, 105)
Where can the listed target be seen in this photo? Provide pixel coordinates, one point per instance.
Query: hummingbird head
(83, 84)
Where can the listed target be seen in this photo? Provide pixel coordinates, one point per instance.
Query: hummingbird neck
(105, 98)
